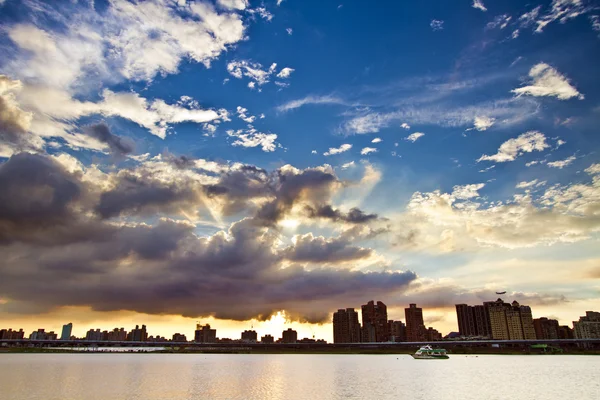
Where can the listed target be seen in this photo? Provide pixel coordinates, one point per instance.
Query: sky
(261, 164)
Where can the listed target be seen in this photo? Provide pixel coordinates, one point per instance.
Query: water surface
(288, 376)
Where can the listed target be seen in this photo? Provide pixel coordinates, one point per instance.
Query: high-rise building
(545, 328)
(465, 316)
(510, 321)
(178, 337)
(587, 327)
(8, 334)
(249, 336)
(527, 322)
(482, 321)
(66, 331)
(96, 335)
(117, 335)
(41, 334)
(432, 335)
(497, 314)
(346, 328)
(267, 339)
(415, 327)
(289, 336)
(565, 332)
(397, 331)
(203, 334)
(375, 315)
(138, 334)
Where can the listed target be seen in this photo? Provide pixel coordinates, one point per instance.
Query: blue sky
(464, 133)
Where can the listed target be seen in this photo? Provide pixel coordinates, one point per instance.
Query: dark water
(224, 376)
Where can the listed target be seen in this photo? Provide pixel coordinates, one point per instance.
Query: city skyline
(249, 163)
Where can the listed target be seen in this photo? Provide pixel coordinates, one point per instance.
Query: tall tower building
(375, 316)
(203, 334)
(587, 327)
(527, 323)
(66, 331)
(513, 322)
(346, 328)
(465, 316)
(482, 321)
(546, 328)
(415, 327)
(497, 313)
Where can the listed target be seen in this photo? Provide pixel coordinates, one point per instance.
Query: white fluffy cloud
(436, 24)
(483, 123)
(289, 31)
(333, 150)
(255, 72)
(233, 4)
(253, 138)
(413, 137)
(560, 164)
(530, 184)
(405, 125)
(285, 72)
(562, 10)
(376, 140)
(348, 165)
(547, 81)
(593, 169)
(479, 5)
(512, 148)
(243, 115)
(368, 150)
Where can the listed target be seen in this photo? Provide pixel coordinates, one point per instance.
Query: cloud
(442, 221)
(530, 184)
(500, 21)
(368, 150)
(354, 216)
(242, 114)
(294, 104)
(413, 137)
(593, 169)
(285, 72)
(562, 10)
(479, 5)
(370, 123)
(279, 2)
(529, 18)
(311, 249)
(14, 122)
(333, 150)
(512, 148)
(253, 71)
(595, 21)
(483, 123)
(348, 165)
(465, 192)
(118, 146)
(405, 125)
(376, 140)
(436, 25)
(289, 31)
(261, 12)
(547, 81)
(233, 4)
(251, 137)
(562, 163)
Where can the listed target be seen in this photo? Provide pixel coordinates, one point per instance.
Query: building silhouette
(204, 334)
(66, 331)
(415, 327)
(138, 334)
(267, 339)
(117, 335)
(346, 328)
(465, 316)
(587, 327)
(545, 328)
(10, 334)
(397, 331)
(249, 336)
(374, 322)
(178, 337)
(41, 334)
(565, 332)
(289, 336)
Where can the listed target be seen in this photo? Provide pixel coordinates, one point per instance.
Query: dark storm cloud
(118, 146)
(36, 193)
(141, 194)
(308, 248)
(354, 216)
(57, 251)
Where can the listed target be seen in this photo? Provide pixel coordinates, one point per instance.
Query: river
(288, 376)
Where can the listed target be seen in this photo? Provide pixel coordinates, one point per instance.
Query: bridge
(324, 346)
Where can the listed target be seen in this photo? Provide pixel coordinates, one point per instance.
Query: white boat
(429, 353)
